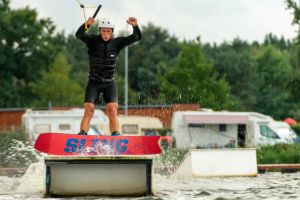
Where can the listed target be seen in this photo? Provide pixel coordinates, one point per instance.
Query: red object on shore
(290, 121)
(96, 145)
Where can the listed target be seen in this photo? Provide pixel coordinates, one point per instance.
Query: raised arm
(135, 36)
(81, 33)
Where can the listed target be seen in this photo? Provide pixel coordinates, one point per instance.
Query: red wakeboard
(72, 144)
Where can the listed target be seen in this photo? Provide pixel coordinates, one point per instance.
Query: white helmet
(106, 23)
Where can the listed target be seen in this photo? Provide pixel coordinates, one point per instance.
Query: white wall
(210, 135)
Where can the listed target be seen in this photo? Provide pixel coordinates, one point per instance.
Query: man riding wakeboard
(103, 51)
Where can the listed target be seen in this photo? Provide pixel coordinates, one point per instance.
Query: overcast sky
(213, 20)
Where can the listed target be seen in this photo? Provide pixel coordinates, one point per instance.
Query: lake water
(264, 186)
(269, 186)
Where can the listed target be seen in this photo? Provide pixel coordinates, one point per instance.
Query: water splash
(267, 186)
(99, 149)
(19, 154)
(168, 161)
(32, 182)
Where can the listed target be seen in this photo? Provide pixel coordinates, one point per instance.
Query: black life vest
(103, 62)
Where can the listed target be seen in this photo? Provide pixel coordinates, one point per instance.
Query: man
(103, 51)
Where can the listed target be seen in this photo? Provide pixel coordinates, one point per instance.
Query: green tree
(132, 95)
(78, 58)
(279, 43)
(56, 86)
(26, 48)
(295, 8)
(194, 80)
(295, 59)
(147, 60)
(274, 81)
(233, 62)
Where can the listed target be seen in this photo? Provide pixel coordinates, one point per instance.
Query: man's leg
(112, 113)
(89, 109)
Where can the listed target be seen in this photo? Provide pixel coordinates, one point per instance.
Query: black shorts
(94, 89)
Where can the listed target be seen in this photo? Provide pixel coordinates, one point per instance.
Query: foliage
(6, 137)
(56, 86)
(234, 75)
(275, 74)
(77, 57)
(296, 128)
(278, 154)
(148, 59)
(295, 7)
(27, 47)
(194, 80)
(132, 95)
(279, 43)
(233, 61)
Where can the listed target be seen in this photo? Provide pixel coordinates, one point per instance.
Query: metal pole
(126, 81)
(126, 78)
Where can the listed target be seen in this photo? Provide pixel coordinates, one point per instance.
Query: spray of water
(99, 149)
(168, 161)
(32, 182)
(21, 154)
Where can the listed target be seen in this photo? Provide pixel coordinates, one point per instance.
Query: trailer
(201, 129)
(68, 121)
(139, 125)
(61, 121)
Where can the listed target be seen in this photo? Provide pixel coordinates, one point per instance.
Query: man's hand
(90, 21)
(132, 21)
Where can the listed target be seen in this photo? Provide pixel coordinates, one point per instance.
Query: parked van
(283, 130)
(61, 121)
(198, 129)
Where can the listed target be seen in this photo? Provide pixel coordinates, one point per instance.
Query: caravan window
(222, 128)
(267, 132)
(42, 128)
(64, 127)
(130, 129)
(149, 132)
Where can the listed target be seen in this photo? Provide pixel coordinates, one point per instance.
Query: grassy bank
(7, 137)
(279, 154)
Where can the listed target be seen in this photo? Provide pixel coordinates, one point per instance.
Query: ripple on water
(267, 186)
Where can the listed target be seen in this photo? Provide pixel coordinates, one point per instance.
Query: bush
(7, 137)
(296, 128)
(278, 154)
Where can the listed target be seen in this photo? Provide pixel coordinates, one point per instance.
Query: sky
(215, 21)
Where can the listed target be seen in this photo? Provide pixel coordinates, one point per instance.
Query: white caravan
(68, 121)
(139, 125)
(283, 130)
(61, 121)
(198, 129)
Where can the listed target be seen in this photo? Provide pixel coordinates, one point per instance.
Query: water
(266, 186)
(269, 186)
